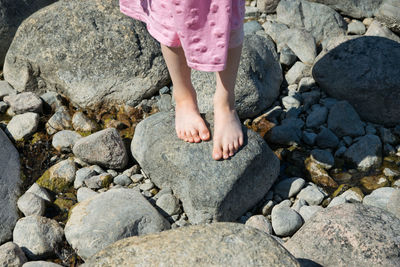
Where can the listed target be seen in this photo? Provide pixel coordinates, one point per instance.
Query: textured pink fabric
(204, 28)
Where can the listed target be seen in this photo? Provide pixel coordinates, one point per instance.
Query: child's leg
(228, 135)
(189, 125)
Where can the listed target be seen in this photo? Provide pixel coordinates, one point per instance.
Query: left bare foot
(228, 134)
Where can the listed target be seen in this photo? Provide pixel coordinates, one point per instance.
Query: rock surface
(10, 183)
(11, 255)
(353, 234)
(389, 14)
(89, 51)
(354, 9)
(216, 244)
(365, 153)
(363, 71)
(23, 125)
(105, 218)
(209, 189)
(258, 82)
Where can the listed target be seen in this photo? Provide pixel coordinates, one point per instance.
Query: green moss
(64, 205)
(84, 133)
(340, 190)
(106, 180)
(36, 137)
(55, 184)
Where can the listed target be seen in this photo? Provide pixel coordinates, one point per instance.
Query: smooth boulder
(209, 190)
(88, 51)
(349, 235)
(216, 244)
(365, 72)
(355, 8)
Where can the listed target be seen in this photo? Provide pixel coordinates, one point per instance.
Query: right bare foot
(189, 125)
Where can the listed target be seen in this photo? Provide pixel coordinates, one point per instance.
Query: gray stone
(41, 264)
(317, 116)
(326, 139)
(285, 221)
(165, 102)
(287, 56)
(309, 138)
(321, 21)
(337, 201)
(370, 235)
(258, 82)
(82, 175)
(308, 212)
(306, 84)
(354, 9)
(52, 99)
(23, 125)
(365, 153)
(289, 187)
(10, 183)
(122, 179)
(343, 120)
(31, 204)
(387, 136)
(267, 6)
(102, 180)
(127, 51)
(136, 178)
(274, 29)
(301, 42)
(216, 244)
(11, 255)
(298, 203)
(6, 89)
(290, 102)
(310, 98)
(389, 14)
(39, 191)
(110, 216)
(24, 102)
(105, 148)
(65, 140)
(384, 198)
(311, 195)
(356, 27)
(352, 196)
(286, 134)
(377, 29)
(251, 27)
(363, 71)
(296, 72)
(328, 102)
(261, 223)
(60, 120)
(44, 236)
(169, 204)
(84, 193)
(323, 157)
(81, 122)
(147, 186)
(246, 179)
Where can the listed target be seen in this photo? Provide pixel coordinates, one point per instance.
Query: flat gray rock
(363, 71)
(11, 255)
(110, 216)
(40, 192)
(31, 204)
(285, 221)
(349, 235)
(377, 29)
(365, 153)
(38, 236)
(104, 147)
(216, 244)
(24, 102)
(301, 42)
(23, 125)
(354, 8)
(343, 120)
(89, 51)
(257, 84)
(10, 183)
(311, 195)
(209, 190)
(389, 14)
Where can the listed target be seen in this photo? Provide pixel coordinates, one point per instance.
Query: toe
(204, 132)
(217, 151)
(195, 135)
(225, 151)
(189, 136)
(241, 140)
(236, 145)
(231, 150)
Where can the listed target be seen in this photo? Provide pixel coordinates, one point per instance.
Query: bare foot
(189, 125)
(228, 134)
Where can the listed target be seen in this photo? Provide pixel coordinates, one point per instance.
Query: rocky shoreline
(92, 173)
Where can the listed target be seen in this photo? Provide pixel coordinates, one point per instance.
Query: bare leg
(189, 125)
(228, 135)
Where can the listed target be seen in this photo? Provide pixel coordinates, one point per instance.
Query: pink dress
(204, 28)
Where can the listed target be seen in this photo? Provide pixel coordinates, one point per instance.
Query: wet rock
(370, 183)
(11, 255)
(105, 148)
(110, 216)
(377, 29)
(319, 175)
(59, 176)
(286, 134)
(317, 116)
(260, 222)
(289, 187)
(285, 221)
(81, 122)
(323, 158)
(258, 82)
(389, 14)
(23, 125)
(10, 183)
(343, 120)
(385, 198)
(365, 153)
(24, 102)
(65, 140)
(372, 89)
(309, 138)
(31, 204)
(311, 194)
(127, 52)
(371, 236)
(220, 244)
(326, 139)
(60, 120)
(45, 235)
(246, 178)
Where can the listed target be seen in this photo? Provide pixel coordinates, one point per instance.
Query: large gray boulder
(320, 20)
(354, 8)
(87, 50)
(209, 190)
(13, 12)
(258, 81)
(389, 14)
(365, 72)
(349, 235)
(105, 218)
(216, 244)
(9, 187)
